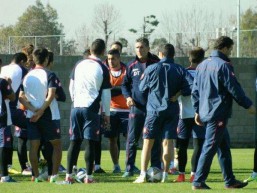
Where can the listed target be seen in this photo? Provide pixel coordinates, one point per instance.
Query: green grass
(242, 164)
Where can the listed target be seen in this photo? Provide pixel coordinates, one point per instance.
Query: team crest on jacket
(136, 72)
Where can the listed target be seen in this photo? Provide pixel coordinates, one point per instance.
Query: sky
(74, 14)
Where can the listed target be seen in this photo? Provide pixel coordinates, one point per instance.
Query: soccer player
(187, 126)
(47, 148)
(91, 85)
(215, 87)
(6, 92)
(119, 109)
(38, 96)
(16, 72)
(136, 101)
(161, 82)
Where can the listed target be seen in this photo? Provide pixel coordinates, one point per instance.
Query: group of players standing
(150, 95)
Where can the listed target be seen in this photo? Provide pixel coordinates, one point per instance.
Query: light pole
(238, 30)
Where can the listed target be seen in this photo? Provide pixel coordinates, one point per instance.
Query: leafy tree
(157, 42)
(5, 32)
(248, 39)
(149, 25)
(40, 20)
(124, 42)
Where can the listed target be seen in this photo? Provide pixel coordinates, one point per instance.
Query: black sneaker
(203, 186)
(236, 184)
(99, 171)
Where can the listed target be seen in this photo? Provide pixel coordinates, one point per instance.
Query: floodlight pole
(238, 30)
(9, 46)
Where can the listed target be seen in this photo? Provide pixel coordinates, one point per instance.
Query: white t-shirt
(35, 85)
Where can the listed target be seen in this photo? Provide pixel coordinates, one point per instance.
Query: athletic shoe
(26, 172)
(181, 178)
(75, 170)
(140, 179)
(251, 178)
(164, 178)
(173, 171)
(67, 181)
(11, 170)
(89, 181)
(53, 179)
(116, 170)
(99, 171)
(136, 170)
(62, 169)
(128, 174)
(237, 184)
(192, 178)
(7, 181)
(203, 186)
(38, 179)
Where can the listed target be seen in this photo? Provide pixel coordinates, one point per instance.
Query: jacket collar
(216, 53)
(167, 60)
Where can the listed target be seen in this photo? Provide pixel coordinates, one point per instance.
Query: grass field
(242, 164)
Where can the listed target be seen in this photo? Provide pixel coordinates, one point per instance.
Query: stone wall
(241, 126)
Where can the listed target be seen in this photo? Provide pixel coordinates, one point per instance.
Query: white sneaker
(140, 179)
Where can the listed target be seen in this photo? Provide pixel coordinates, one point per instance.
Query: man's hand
(37, 114)
(130, 102)
(252, 110)
(175, 98)
(198, 120)
(106, 122)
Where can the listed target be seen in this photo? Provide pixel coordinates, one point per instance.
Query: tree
(248, 39)
(5, 32)
(157, 42)
(40, 20)
(189, 28)
(106, 20)
(149, 25)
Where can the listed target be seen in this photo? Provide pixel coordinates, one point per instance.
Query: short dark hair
(222, 42)
(50, 58)
(40, 55)
(86, 52)
(117, 43)
(168, 50)
(145, 41)
(97, 47)
(114, 52)
(197, 55)
(18, 57)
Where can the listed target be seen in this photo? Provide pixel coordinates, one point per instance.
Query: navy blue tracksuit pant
(135, 128)
(216, 140)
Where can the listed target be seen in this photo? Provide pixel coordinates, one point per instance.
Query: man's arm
(229, 81)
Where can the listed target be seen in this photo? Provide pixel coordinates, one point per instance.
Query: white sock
(143, 173)
(97, 167)
(171, 164)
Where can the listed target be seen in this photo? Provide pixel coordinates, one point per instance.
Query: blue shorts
(119, 124)
(44, 128)
(188, 127)
(20, 122)
(6, 137)
(160, 124)
(85, 124)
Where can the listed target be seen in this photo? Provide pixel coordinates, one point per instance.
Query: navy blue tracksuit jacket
(218, 87)
(131, 81)
(162, 81)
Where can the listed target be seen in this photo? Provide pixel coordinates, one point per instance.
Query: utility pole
(238, 30)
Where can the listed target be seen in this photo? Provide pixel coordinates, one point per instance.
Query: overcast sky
(74, 13)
